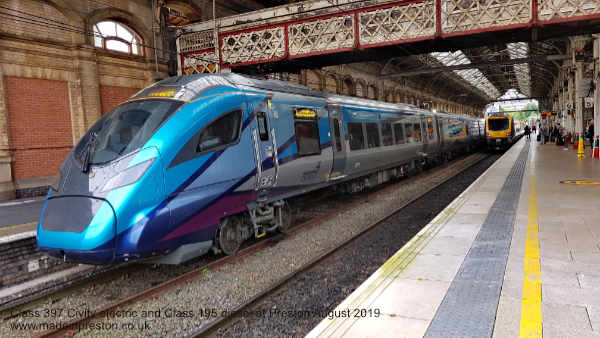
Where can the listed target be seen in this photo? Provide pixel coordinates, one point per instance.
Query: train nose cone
(78, 227)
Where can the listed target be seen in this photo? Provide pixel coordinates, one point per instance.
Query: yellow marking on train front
(17, 226)
(531, 302)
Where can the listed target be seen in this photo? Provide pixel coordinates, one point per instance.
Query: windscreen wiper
(89, 150)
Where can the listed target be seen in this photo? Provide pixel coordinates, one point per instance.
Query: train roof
(189, 87)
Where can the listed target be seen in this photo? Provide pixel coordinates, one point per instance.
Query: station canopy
(474, 74)
(482, 75)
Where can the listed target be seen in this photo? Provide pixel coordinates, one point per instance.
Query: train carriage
(207, 161)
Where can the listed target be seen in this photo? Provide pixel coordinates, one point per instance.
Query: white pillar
(578, 43)
(561, 99)
(570, 96)
(597, 89)
(565, 97)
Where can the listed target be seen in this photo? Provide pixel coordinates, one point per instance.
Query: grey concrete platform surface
(555, 231)
(19, 216)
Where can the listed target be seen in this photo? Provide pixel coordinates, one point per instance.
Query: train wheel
(284, 218)
(229, 235)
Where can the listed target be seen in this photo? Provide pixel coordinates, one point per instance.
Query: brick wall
(111, 96)
(39, 122)
(22, 260)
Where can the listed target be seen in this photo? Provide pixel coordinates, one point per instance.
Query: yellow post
(580, 151)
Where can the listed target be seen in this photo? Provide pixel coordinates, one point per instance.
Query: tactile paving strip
(469, 307)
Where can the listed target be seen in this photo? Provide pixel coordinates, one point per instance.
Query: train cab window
(222, 131)
(386, 134)
(263, 129)
(355, 131)
(337, 134)
(372, 135)
(399, 133)
(307, 137)
(496, 124)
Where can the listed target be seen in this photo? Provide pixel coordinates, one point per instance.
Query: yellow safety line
(531, 303)
(580, 182)
(17, 226)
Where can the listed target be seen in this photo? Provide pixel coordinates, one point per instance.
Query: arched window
(115, 36)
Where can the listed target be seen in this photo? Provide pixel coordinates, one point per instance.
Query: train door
(439, 132)
(265, 148)
(428, 134)
(338, 145)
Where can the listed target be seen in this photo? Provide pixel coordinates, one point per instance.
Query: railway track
(213, 328)
(58, 289)
(336, 207)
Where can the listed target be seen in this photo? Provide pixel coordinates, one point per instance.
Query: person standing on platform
(555, 134)
(527, 132)
(533, 128)
(544, 132)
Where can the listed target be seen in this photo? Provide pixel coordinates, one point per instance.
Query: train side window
(454, 128)
(222, 131)
(263, 129)
(355, 131)
(410, 133)
(218, 134)
(307, 137)
(399, 133)
(386, 133)
(373, 135)
(336, 133)
(413, 132)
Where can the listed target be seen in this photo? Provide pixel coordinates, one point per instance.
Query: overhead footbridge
(317, 33)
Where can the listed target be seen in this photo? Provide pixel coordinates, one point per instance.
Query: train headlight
(128, 176)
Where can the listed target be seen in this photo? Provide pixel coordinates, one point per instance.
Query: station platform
(516, 254)
(18, 218)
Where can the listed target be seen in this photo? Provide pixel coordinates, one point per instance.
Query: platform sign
(304, 113)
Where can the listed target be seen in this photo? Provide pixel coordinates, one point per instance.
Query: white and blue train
(207, 161)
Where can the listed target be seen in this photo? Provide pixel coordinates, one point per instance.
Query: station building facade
(65, 63)
(62, 65)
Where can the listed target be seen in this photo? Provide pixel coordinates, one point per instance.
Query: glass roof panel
(518, 50)
(474, 76)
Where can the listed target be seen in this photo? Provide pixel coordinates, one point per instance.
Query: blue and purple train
(207, 161)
